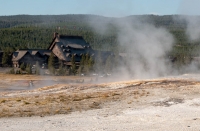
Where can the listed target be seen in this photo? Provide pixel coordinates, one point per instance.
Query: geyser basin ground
(158, 104)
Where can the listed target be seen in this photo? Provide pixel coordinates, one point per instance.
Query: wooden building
(64, 47)
(30, 56)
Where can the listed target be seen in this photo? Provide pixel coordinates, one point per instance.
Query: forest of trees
(24, 31)
(36, 32)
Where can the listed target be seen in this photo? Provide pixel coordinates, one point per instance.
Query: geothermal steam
(193, 28)
(146, 47)
(190, 10)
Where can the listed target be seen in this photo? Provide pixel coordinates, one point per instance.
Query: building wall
(57, 51)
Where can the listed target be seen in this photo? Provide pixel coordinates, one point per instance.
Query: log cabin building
(30, 56)
(64, 47)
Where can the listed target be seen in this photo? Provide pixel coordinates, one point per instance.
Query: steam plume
(147, 47)
(190, 9)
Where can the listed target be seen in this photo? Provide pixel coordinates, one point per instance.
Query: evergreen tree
(90, 63)
(51, 63)
(6, 59)
(86, 64)
(37, 68)
(62, 70)
(22, 66)
(81, 66)
(73, 66)
(28, 69)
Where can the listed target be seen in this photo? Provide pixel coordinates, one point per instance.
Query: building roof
(17, 55)
(69, 45)
(71, 41)
(77, 46)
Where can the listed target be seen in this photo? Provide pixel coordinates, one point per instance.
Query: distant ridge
(15, 20)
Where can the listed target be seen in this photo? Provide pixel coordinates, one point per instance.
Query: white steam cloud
(147, 48)
(193, 28)
(190, 10)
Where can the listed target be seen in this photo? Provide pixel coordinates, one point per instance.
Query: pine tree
(5, 59)
(62, 70)
(22, 66)
(51, 63)
(81, 66)
(37, 68)
(90, 63)
(28, 69)
(86, 64)
(73, 66)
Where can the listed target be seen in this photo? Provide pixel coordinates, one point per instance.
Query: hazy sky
(115, 8)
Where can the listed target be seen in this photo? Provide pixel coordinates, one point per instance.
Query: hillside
(36, 31)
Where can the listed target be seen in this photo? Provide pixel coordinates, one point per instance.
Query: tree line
(36, 32)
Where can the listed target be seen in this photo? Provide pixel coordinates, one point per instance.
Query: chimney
(55, 34)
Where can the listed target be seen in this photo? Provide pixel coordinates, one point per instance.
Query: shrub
(28, 69)
(12, 71)
(22, 66)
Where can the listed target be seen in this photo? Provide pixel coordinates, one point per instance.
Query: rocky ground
(66, 103)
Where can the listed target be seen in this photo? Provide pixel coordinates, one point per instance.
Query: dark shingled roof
(72, 41)
(17, 55)
(70, 45)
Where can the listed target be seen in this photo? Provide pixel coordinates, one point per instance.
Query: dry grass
(64, 99)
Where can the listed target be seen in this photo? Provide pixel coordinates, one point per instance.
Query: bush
(28, 69)
(22, 66)
(12, 71)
